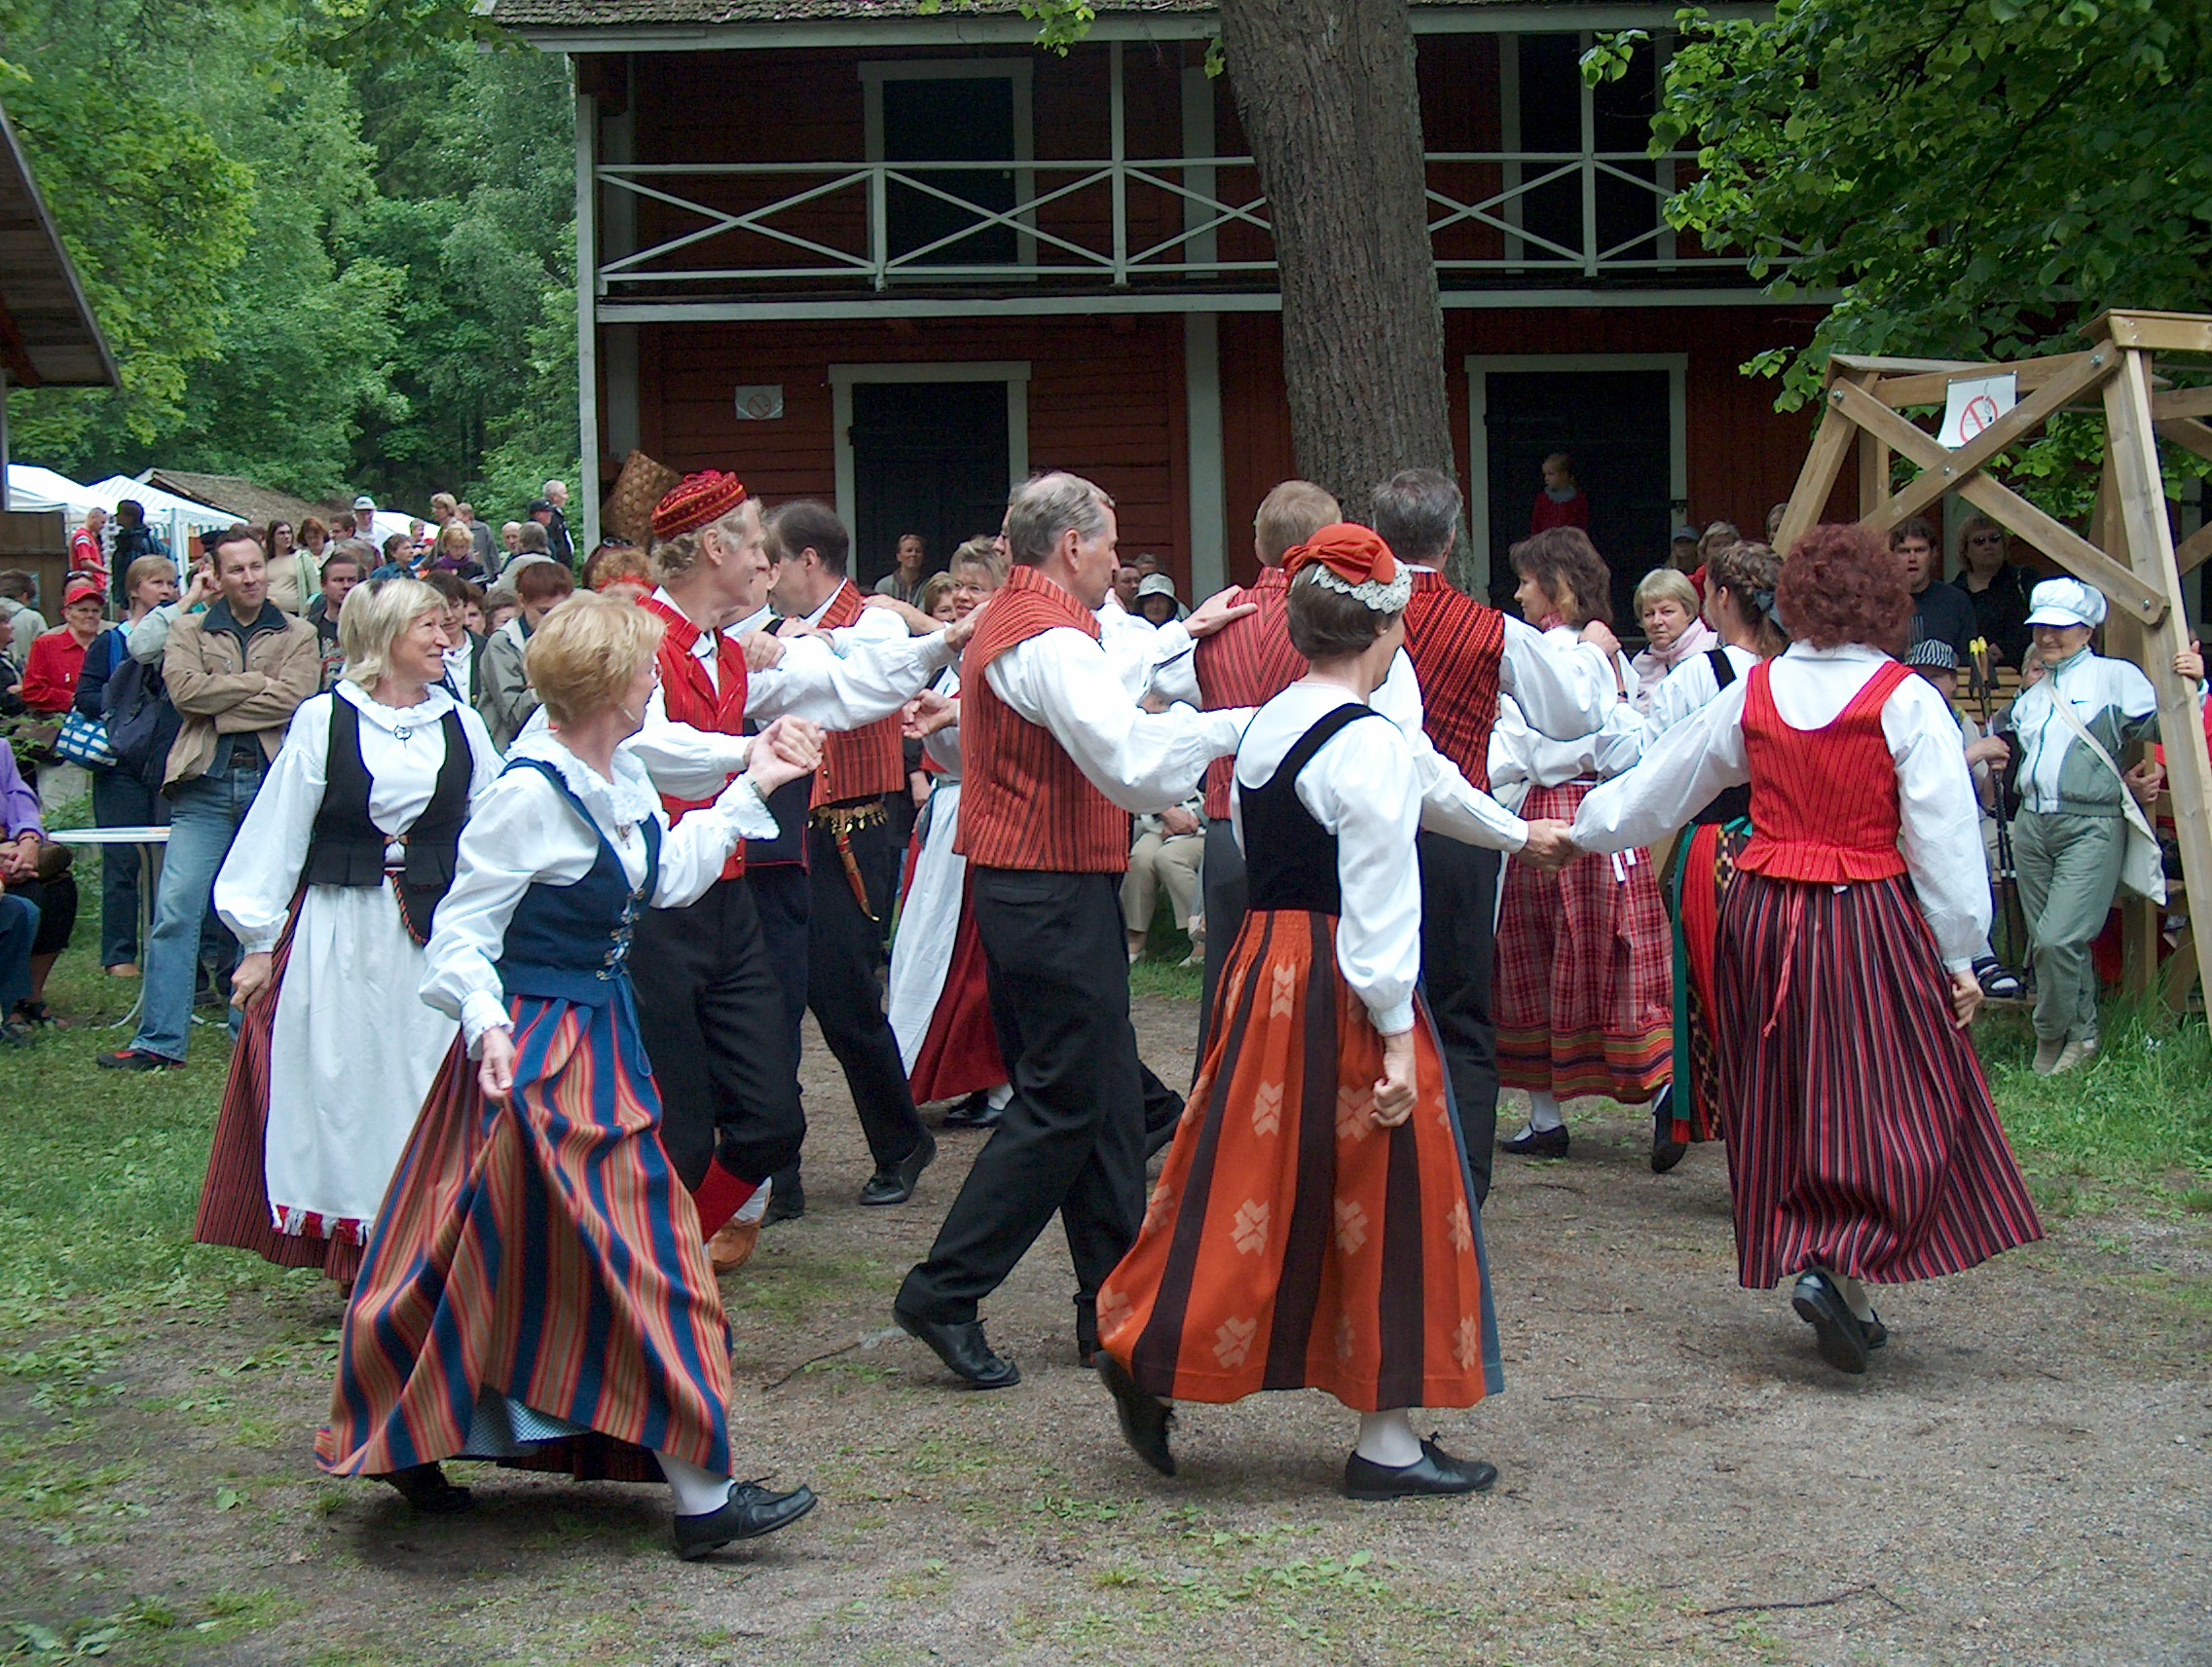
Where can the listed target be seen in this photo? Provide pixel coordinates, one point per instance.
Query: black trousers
(1071, 1139)
(844, 984)
(784, 893)
(1223, 900)
(712, 1015)
(1458, 954)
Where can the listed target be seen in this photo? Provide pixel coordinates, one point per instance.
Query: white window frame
(1480, 365)
(874, 73)
(1015, 372)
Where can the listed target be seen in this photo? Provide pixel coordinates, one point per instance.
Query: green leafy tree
(1971, 180)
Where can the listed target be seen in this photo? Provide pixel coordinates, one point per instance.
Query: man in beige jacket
(236, 674)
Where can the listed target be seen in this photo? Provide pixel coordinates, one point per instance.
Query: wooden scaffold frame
(2131, 554)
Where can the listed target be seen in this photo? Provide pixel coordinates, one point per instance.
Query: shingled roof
(258, 504)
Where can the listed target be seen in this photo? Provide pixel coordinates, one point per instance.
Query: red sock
(719, 1194)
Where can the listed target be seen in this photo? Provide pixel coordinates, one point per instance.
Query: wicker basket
(628, 512)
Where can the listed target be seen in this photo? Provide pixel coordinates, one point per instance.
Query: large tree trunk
(1328, 99)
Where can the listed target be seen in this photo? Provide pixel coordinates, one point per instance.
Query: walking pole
(2007, 886)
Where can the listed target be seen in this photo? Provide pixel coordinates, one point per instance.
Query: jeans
(203, 819)
(19, 930)
(121, 798)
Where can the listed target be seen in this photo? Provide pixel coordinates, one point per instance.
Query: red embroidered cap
(697, 501)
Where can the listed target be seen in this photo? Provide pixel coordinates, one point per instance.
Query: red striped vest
(1824, 801)
(1024, 801)
(1456, 645)
(1247, 662)
(861, 763)
(688, 698)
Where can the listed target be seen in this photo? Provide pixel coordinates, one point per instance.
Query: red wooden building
(896, 261)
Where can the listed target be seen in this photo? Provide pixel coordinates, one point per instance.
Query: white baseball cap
(2065, 602)
(364, 502)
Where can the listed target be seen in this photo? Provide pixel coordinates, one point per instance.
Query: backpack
(134, 703)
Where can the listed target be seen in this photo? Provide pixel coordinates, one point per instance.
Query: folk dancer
(1585, 999)
(1315, 1225)
(710, 1005)
(852, 859)
(1056, 755)
(333, 887)
(1862, 1144)
(940, 999)
(537, 1289)
(1739, 603)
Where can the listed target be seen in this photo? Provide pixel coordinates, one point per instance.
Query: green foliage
(331, 244)
(1970, 181)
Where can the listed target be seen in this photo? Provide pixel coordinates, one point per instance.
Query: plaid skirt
(1861, 1132)
(537, 1289)
(1585, 994)
(1291, 1244)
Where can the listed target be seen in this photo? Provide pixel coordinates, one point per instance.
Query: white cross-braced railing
(836, 220)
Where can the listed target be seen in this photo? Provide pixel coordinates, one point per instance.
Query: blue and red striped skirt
(1291, 1244)
(535, 1288)
(1862, 1136)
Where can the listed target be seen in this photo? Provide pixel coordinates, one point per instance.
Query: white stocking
(697, 1491)
(1854, 1295)
(1544, 1113)
(1000, 1097)
(1387, 1438)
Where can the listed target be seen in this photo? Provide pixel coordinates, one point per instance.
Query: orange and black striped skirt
(1291, 1244)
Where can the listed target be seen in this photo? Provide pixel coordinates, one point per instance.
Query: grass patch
(1159, 977)
(2141, 1114)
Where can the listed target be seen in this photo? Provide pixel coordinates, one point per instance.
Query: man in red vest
(851, 868)
(1057, 755)
(709, 1006)
(1465, 655)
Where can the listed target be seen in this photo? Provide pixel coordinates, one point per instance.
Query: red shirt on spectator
(55, 662)
(86, 556)
(1550, 512)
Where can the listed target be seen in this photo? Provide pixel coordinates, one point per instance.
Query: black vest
(347, 849)
(1290, 860)
(1730, 804)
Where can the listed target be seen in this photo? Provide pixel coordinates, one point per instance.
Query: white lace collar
(626, 801)
(393, 720)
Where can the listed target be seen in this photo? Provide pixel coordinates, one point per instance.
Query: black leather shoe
(1841, 1338)
(785, 1202)
(425, 1488)
(749, 1511)
(1538, 1143)
(1145, 1420)
(963, 1347)
(896, 1184)
(1666, 1150)
(971, 1112)
(1435, 1472)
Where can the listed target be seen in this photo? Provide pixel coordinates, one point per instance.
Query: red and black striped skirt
(1705, 863)
(1291, 1244)
(1585, 987)
(1862, 1136)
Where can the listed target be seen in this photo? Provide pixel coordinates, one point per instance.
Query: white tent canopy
(175, 518)
(37, 490)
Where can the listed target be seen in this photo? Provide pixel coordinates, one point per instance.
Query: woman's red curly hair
(1844, 584)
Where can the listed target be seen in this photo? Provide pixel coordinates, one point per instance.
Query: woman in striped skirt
(536, 1289)
(1584, 997)
(1739, 595)
(1862, 1144)
(1314, 1226)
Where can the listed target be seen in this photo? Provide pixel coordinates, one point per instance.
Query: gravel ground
(2021, 1478)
